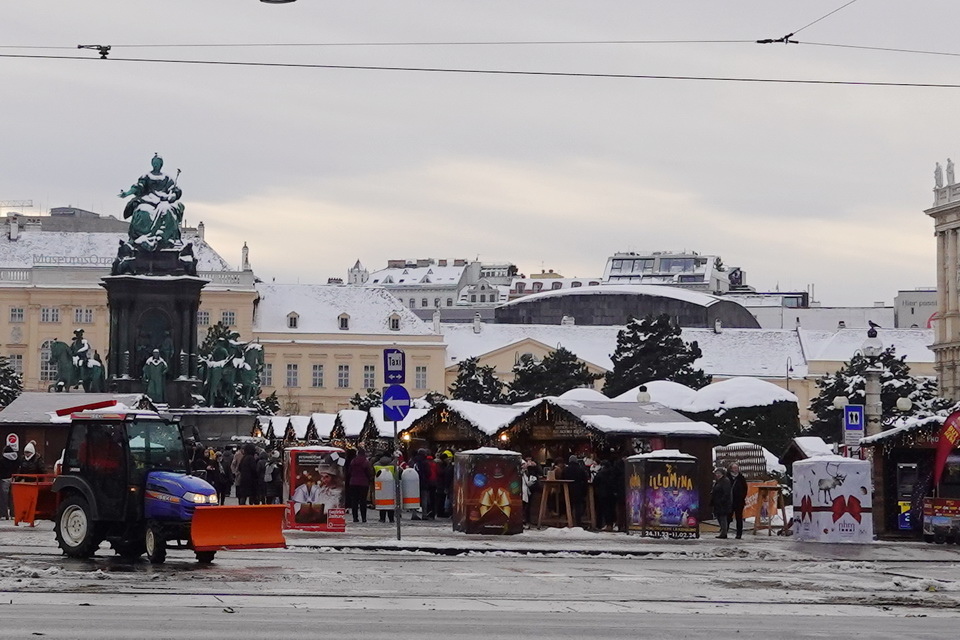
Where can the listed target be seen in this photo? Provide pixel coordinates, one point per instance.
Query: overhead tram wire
(787, 39)
(503, 72)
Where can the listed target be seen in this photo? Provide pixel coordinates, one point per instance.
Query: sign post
(853, 424)
(396, 406)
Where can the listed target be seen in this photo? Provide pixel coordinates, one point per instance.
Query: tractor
(126, 479)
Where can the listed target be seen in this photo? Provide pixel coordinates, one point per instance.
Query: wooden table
(555, 487)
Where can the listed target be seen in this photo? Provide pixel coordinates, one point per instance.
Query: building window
(537, 286)
(16, 362)
(292, 321)
(317, 379)
(16, 314)
(82, 316)
(293, 375)
(344, 322)
(483, 297)
(413, 303)
(521, 287)
(575, 284)
(449, 302)
(436, 303)
(473, 297)
(420, 378)
(369, 376)
(48, 370)
(343, 376)
(394, 323)
(556, 285)
(266, 378)
(424, 303)
(228, 318)
(50, 314)
(203, 318)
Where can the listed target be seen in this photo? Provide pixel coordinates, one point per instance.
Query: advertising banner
(662, 495)
(314, 489)
(832, 498)
(486, 484)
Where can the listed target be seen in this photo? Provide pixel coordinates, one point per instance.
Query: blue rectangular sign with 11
(394, 366)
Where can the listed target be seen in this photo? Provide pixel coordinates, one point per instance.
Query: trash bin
(487, 492)
(33, 498)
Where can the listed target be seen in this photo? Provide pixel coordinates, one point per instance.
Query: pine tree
(214, 334)
(558, 372)
(652, 349)
(895, 382)
(269, 406)
(476, 383)
(373, 398)
(11, 382)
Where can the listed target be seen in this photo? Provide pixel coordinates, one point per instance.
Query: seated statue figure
(155, 209)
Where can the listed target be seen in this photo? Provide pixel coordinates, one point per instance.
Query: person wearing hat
(721, 500)
(9, 465)
(32, 461)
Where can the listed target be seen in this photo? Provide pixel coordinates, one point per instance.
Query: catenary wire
(505, 72)
(796, 31)
(469, 43)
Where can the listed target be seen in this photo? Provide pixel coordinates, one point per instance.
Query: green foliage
(771, 426)
(895, 382)
(11, 382)
(214, 334)
(476, 383)
(434, 398)
(373, 398)
(558, 372)
(269, 406)
(652, 349)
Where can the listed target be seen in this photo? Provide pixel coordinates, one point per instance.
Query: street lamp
(789, 371)
(871, 350)
(643, 396)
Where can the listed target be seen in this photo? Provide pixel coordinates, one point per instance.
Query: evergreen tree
(214, 334)
(558, 372)
(433, 398)
(373, 399)
(895, 382)
(652, 349)
(11, 382)
(269, 406)
(476, 383)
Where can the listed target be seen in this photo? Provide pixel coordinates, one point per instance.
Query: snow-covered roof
(40, 408)
(738, 392)
(352, 421)
(300, 424)
(319, 308)
(279, 425)
(584, 394)
(323, 423)
(489, 451)
(659, 454)
(385, 427)
(35, 248)
(487, 418)
(908, 425)
(812, 446)
(622, 418)
(672, 395)
(423, 276)
(656, 291)
(841, 345)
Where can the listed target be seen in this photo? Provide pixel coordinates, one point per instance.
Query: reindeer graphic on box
(833, 499)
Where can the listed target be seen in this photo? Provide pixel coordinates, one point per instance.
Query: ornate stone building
(946, 218)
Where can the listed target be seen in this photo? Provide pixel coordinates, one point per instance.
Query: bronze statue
(155, 211)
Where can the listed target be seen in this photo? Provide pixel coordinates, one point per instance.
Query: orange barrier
(33, 498)
(238, 527)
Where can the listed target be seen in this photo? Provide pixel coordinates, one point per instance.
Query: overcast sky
(316, 168)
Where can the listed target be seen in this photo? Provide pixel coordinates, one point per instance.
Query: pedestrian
(578, 489)
(226, 465)
(360, 476)
(619, 471)
(235, 468)
(247, 475)
(738, 492)
(447, 479)
(440, 491)
(604, 491)
(721, 500)
(273, 478)
(261, 495)
(213, 473)
(9, 465)
(529, 479)
(422, 466)
(385, 463)
(32, 461)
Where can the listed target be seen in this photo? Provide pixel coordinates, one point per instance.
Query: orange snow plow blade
(238, 527)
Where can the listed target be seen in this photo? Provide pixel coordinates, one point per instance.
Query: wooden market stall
(322, 425)
(457, 425)
(377, 433)
(347, 427)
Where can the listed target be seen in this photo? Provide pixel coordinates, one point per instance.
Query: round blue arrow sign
(396, 403)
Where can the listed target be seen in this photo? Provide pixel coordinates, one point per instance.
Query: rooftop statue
(155, 210)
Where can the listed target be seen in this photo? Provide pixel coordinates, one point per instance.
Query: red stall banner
(949, 437)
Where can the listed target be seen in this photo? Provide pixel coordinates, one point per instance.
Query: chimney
(476, 322)
(245, 259)
(568, 321)
(459, 262)
(442, 262)
(200, 230)
(798, 322)
(841, 325)
(717, 326)
(436, 320)
(14, 228)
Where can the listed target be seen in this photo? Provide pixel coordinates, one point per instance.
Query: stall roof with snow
(36, 407)
(460, 423)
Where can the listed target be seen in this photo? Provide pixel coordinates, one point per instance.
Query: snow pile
(352, 421)
(487, 418)
(672, 395)
(489, 451)
(737, 393)
(813, 446)
(584, 394)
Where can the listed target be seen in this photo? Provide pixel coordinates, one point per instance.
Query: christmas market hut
(457, 425)
(377, 433)
(555, 428)
(299, 431)
(347, 427)
(917, 468)
(322, 425)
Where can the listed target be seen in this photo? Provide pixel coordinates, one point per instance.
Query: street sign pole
(396, 479)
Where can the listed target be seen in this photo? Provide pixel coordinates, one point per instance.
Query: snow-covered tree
(373, 398)
(652, 349)
(555, 374)
(476, 383)
(269, 406)
(11, 382)
(895, 382)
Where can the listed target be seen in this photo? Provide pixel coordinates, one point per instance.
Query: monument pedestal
(150, 312)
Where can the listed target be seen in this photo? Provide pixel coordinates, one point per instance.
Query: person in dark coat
(738, 492)
(576, 472)
(32, 461)
(247, 472)
(440, 489)
(359, 479)
(214, 473)
(604, 491)
(721, 500)
(423, 468)
(273, 478)
(9, 465)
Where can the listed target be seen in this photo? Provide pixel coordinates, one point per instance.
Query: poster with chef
(832, 499)
(314, 489)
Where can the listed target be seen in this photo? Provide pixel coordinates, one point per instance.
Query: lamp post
(873, 410)
(643, 396)
(789, 371)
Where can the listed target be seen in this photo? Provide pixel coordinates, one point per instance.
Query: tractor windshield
(155, 444)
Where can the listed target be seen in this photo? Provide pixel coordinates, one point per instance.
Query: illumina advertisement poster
(487, 492)
(662, 496)
(315, 488)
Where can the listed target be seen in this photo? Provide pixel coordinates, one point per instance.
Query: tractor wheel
(75, 529)
(205, 557)
(155, 545)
